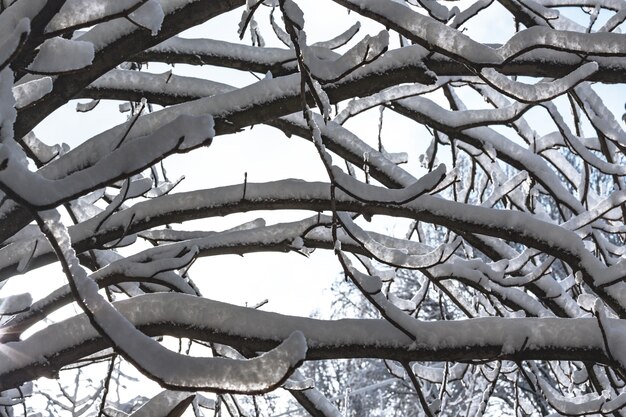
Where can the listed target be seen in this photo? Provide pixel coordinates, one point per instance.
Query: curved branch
(255, 330)
(293, 194)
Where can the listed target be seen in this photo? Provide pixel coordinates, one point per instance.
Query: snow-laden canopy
(478, 258)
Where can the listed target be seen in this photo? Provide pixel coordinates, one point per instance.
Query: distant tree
(505, 295)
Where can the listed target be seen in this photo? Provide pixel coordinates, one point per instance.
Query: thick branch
(248, 329)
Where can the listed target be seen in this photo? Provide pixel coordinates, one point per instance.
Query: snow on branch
(183, 134)
(526, 226)
(591, 403)
(283, 61)
(436, 36)
(211, 321)
(426, 111)
(15, 304)
(510, 225)
(373, 194)
(31, 91)
(313, 400)
(216, 52)
(399, 257)
(541, 91)
(357, 106)
(122, 83)
(341, 39)
(12, 41)
(521, 227)
(155, 265)
(367, 50)
(59, 55)
(170, 369)
(75, 14)
(149, 15)
(119, 271)
(164, 403)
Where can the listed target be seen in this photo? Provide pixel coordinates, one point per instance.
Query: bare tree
(505, 294)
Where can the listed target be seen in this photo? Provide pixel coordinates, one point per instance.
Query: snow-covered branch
(209, 320)
(464, 163)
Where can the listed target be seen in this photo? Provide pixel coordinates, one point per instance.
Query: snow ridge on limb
(341, 39)
(541, 91)
(373, 194)
(58, 55)
(170, 369)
